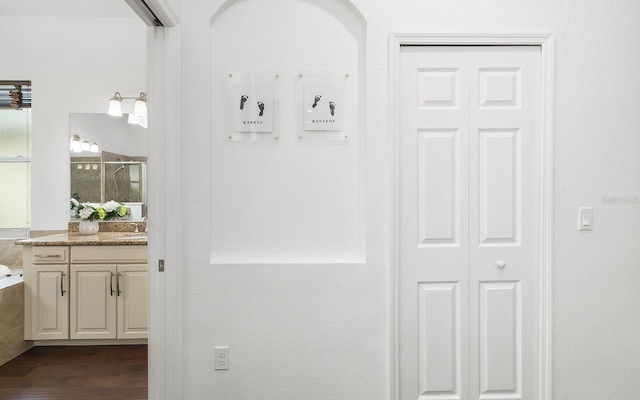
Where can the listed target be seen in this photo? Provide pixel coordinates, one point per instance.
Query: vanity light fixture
(115, 105)
(139, 114)
(78, 145)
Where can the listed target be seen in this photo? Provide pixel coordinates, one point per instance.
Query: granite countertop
(98, 239)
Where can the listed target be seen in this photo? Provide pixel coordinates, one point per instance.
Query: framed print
(322, 107)
(251, 104)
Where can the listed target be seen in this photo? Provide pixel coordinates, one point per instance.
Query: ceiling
(65, 8)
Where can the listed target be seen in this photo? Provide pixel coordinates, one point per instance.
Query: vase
(88, 227)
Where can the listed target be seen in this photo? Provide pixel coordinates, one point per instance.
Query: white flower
(86, 212)
(110, 206)
(75, 203)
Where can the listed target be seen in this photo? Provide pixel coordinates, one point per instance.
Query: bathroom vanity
(80, 287)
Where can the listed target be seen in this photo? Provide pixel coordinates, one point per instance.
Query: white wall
(322, 331)
(75, 65)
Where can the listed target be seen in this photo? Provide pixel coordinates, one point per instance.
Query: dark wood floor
(76, 372)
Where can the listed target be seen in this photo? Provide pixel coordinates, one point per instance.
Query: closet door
(504, 115)
(468, 226)
(434, 220)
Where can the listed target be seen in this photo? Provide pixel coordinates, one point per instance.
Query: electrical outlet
(221, 355)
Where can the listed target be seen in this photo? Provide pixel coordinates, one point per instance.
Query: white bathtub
(13, 279)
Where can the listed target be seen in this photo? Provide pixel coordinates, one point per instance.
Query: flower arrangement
(97, 211)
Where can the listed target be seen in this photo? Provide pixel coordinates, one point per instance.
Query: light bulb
(93, 147)
(85, 146)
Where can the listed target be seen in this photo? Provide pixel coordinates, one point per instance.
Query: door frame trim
(164, 69)
(545, 323)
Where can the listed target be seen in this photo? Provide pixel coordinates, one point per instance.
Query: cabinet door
(133, 301)
(50, 302)
(93, 302)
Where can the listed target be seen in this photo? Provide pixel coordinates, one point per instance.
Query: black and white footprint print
(332, 108)
(243, 100)
(316, 100)
(261, 107)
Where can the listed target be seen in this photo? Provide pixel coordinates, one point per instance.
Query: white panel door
(468, 222)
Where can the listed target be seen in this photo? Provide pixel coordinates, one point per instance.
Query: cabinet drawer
(50, 255)
(108, 254)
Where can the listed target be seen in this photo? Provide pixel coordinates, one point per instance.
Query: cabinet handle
(47, 256)
(62, 291)
(111, 283)
(118, 283)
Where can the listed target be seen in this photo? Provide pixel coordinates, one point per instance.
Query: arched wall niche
(276, 198)
(336, 8)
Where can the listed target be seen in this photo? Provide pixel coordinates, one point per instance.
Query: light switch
(585, 218)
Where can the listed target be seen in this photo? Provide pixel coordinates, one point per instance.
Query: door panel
(93, 302)
(439, 338)
(434, 244)
(50, 307)
(500, 347)
(439, 187)
(504, 221)
(499, 197)
(133, 304)
(468, 222)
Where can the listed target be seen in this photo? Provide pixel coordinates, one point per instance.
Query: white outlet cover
(221, 357)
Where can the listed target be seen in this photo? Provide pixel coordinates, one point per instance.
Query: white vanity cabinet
(86, 292)
(109, 292)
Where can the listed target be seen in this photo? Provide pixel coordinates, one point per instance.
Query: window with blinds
(15, 159)
(15, 94)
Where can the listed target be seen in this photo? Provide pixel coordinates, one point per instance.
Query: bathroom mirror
(118, 169)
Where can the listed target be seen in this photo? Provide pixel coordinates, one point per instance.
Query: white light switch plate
(585, 218)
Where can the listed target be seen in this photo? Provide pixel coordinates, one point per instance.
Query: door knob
(500, 263)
